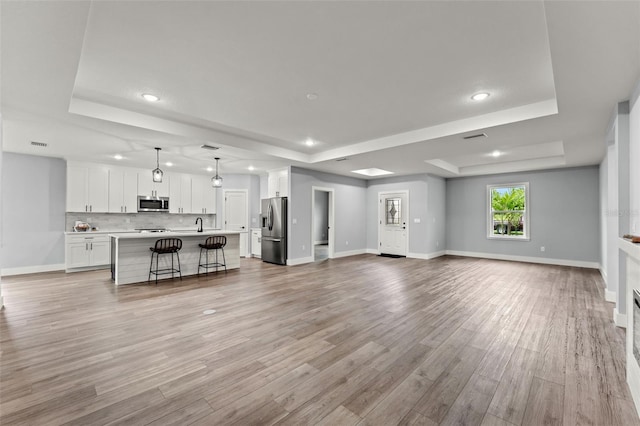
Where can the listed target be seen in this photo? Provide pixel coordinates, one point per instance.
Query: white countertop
(172, 234)
(133, 231)
(632, 250)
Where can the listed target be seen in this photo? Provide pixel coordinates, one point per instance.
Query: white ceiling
(393, 81)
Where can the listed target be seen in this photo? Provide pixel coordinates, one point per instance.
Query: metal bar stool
(216, 243)
(169, 246)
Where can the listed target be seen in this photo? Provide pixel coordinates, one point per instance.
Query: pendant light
(157, 173)
(216, 181)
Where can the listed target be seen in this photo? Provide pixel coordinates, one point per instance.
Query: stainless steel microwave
(153, 204)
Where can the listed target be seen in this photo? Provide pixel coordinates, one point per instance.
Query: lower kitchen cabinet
(87, 252)
(256, 242)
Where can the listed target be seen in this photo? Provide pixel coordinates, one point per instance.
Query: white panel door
(236, 216)
(393, 223)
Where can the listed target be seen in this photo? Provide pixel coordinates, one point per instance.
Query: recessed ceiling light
(312, 96)
(251, 168)
(309, 142)
(149, 97)
(496, 153)
(372, 172)
(118, 157)
(209, 169)
(168, 164)
(480, 96)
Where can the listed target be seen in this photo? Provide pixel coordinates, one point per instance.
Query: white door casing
(393, 210)
(236, 215)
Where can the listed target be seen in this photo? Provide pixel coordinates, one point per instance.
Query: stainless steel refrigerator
(274, 230)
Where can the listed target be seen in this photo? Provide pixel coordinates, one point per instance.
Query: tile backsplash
(130, 221)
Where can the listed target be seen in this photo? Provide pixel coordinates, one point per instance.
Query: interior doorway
(322, 236)
(393, 211)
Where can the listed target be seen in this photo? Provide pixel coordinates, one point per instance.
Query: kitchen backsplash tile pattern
(130, 221)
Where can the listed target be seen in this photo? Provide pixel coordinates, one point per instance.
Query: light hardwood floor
(360, 340)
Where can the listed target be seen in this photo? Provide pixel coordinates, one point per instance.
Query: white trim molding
(349, 253)
(610, 296)
(32, 269)
(527, 259)
(300, 261)
(426, 256)
(604, 274)
(372, 251)
(619, 319)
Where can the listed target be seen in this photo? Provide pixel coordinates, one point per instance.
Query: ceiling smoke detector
(212, 148)
(478, 135)
(40, 144)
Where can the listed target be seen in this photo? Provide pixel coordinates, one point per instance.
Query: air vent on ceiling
(477, 135)
(213, 148)
(40, 144)
(341, 159)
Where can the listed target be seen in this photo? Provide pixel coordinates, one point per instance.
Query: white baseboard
(300, 261)
(372, 251)
(426, 256)
(619, 319)
(528, 259)
(32, 269)
(318, 243)
(349, 253)
(603, 273)
(610, 296)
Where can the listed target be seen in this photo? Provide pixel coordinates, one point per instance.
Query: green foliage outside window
(507, 210)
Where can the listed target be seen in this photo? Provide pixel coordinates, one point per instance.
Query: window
(508, 211)
(393, 206)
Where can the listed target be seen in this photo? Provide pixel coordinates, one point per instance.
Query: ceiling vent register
(477, 135)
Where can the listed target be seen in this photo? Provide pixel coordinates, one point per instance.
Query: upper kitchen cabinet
(146, 185)
(203, 196)
(180, 193)
(87, 188)
(123, 190)
(278, 183)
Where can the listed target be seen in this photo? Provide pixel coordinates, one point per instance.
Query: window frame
(526, 216)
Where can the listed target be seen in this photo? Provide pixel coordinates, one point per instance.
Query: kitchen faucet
(200, 227)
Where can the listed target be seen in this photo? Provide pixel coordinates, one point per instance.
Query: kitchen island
(130, 254)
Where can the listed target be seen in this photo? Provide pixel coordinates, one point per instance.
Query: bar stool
(216, 243)
(169, 246)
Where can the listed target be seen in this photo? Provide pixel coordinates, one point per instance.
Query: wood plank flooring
(363, 340)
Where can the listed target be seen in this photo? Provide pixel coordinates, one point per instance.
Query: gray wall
(321, 216)
(564, 214)
(426, 203)
(350, 212)
(33, 210)
(236, 181)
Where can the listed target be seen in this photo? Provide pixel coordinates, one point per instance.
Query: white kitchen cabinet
(87, 188)
(278, 183)
(180, 193)
(146, 185)
(87, 251)
(256, 242)
(123, 191)
(203, 196)
(244, 243)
